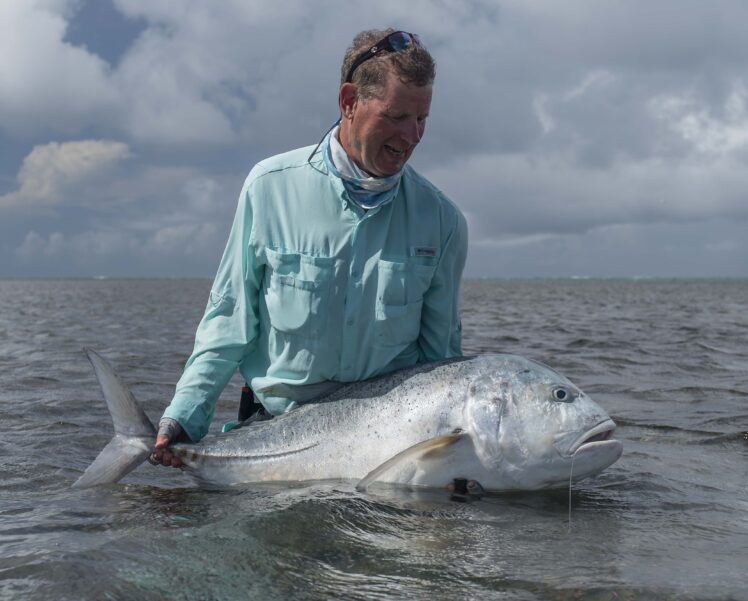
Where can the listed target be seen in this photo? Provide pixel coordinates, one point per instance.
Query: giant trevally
(503, 421)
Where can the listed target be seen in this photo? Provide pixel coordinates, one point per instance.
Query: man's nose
(412, 132)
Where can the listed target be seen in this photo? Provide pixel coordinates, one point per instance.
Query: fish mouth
(600, 433)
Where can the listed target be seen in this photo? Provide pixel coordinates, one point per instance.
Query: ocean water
(668, 360)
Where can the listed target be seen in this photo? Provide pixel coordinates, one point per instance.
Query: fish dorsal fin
(433, 448)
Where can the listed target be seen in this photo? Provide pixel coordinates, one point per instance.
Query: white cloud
(515, 241)
(708, 248)
(696, 122)
(35, 245)
(86, 247)
(552, 124)
(596, 78)
(185, 240)
(167, 93)
(203, 73)
(511, 196)
(45, 83)
(52, 170)
(177, 92)
(539, 104)
(182, 240)
(202, 194)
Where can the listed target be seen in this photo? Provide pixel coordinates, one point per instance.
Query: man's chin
(391, 168)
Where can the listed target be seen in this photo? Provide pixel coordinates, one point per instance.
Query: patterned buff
(366, 191)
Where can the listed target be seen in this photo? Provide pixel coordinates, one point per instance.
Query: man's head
(412, 64)
(385, 104)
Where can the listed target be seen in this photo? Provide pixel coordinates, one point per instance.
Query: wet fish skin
(494, 419)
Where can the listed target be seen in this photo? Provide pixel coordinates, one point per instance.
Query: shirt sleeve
(226, 333)
(441, 330)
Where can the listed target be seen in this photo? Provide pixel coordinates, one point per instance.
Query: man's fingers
(171, 459)
(169, 431)
(165, 458)
(160, 455)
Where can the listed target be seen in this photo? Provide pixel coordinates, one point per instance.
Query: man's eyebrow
(394, 115)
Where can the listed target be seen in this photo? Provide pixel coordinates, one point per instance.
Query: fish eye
(562, 395)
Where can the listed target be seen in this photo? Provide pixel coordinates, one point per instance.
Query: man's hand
(169, 431)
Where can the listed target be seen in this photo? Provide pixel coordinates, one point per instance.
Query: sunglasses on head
(395, 42)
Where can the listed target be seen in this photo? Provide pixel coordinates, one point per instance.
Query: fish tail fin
(134, 433)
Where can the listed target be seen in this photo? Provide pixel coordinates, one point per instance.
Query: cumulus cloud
(138, 250)
(708, 248)
(202, 194)
(86, 247)
(710, 130)
(152, 220)
(52, 170)
(104, 243)
(184, 240)
(505, 196)
(35, 245)
(243, 88)
(45, 83)
(199, 73)
(554, 125)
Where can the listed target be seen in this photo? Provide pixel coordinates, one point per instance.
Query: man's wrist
(170, 428)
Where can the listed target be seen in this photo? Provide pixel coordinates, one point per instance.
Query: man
(341, 264)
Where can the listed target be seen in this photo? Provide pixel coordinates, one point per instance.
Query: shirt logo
(423, 251)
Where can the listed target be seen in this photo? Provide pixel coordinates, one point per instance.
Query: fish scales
(365, 422)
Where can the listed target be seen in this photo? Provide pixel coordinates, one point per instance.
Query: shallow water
(667, 359)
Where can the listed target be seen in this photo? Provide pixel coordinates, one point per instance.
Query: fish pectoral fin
(431, 449)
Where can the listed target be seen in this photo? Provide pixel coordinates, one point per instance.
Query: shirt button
(350, 321)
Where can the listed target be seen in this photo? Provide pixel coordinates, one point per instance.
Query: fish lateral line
(193, 454)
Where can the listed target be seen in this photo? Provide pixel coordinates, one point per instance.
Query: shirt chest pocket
(297, 289)
(400, 290)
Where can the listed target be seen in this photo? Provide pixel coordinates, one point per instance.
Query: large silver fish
(503, 421)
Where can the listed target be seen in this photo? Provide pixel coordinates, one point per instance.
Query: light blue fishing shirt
(313, 290)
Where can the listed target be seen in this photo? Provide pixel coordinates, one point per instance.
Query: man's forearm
(202, 382)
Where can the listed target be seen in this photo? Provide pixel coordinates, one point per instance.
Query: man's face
(379, 134)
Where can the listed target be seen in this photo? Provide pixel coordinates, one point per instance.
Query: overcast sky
(580, 138)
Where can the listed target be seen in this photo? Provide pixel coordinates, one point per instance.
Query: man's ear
(347, 99)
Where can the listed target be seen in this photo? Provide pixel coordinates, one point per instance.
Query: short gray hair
(414, 65)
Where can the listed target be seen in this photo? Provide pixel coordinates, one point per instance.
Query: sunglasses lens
(400, 41)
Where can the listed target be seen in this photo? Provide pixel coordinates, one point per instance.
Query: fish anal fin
(432, 449)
